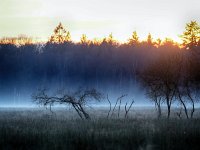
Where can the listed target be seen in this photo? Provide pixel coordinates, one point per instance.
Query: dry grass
(37, 129)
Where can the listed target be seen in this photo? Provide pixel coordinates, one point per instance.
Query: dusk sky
(98, 18)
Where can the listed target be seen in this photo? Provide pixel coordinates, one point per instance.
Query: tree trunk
(109, 108)
(86, 115)
(159, 112)
(114, 107)
(119, 107)
(193, 109)
(157, 104)
(168, 111)
(185, 108)
(192, 100)
(77, 110)
(127, 110)
(168, 108)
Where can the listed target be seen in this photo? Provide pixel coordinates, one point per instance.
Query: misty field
(38, 129)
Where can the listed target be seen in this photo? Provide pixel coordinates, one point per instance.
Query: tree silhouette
(191, 35)
(158, 42)
(134, 39)
(84, 39)
(149, 39)
(60, 35)
(161, 79)
(168, 42)
(110, 39)
(78, 99)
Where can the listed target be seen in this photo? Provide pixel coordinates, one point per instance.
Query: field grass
(36, 129)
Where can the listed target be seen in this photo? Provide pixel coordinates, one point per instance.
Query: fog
(111, 69)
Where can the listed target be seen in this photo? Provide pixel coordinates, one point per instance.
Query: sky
(97, 18)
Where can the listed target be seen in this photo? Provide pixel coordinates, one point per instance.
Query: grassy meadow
(37, 129)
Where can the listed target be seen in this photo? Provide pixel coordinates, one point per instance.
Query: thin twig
(127, 110)
(110, 106)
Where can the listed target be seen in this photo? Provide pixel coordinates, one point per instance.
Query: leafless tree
(191, 83)
(119, 104)
(179, 114)
(160, 80)
(119, 107)
(110, 106)
(77, 99)
(127, 109)
(180, 96)
(154, 93)
(180, 84)
(192, 94)
(118, 99)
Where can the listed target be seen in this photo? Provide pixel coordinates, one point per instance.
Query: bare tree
(119, 104)
(119, 107)
(179, 114)
(180, 96)
(192, 80)
(78, 100)
(160, 80)
(153, 91)
(180, 84)
(110, 106)
(192, 92)
(118, 99)
(128, 109)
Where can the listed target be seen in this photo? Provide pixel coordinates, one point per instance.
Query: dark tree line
(69, 61)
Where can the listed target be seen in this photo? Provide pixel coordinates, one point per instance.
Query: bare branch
(117, 103)
(127, 110)
(109, 107)
(77, 100)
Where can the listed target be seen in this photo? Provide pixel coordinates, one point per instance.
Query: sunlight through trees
(60, 35)
(191, 35)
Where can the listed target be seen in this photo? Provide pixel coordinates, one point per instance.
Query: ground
(38, 129)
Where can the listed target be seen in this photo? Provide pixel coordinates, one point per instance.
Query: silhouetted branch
(119, 98)
(179, 114)
(77, 100)
(127, 110)
(120, 101)
(110, 106)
